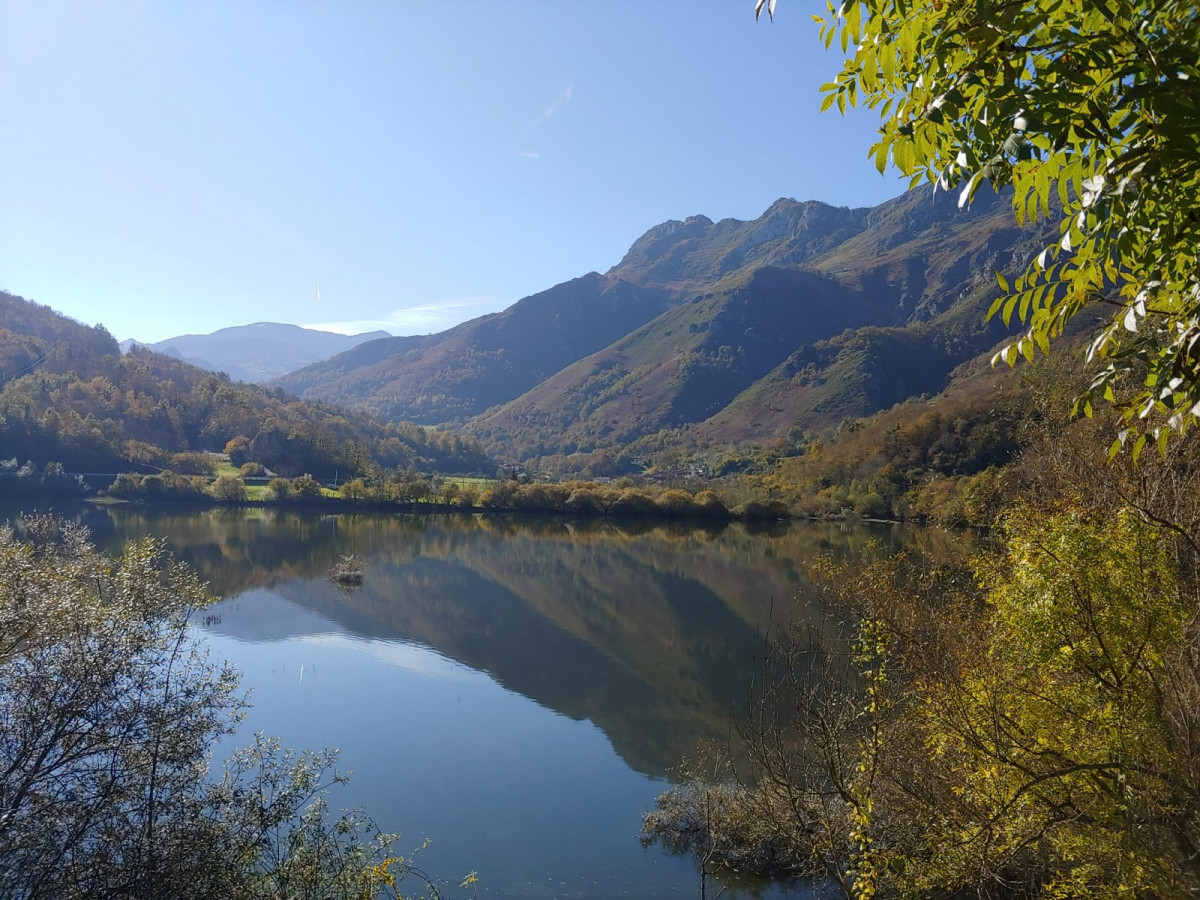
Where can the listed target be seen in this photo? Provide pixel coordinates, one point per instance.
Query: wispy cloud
(530, 154)
(560, 102)
(421, 319)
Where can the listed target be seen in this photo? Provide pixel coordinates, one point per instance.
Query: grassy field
(225, 467)
(464, 481)
(256, 492)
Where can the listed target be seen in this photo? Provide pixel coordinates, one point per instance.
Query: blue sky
(178, 167)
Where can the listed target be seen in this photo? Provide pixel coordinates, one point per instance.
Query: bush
(127, 484)
(279, 489)
(762, 509)
(871, 506)
(355, 489)
(633, 503)
(586, 501)
(542, 497)
(193, 464)
(228, 488)
(306, 487)
(110, 709)
(501, 495)
(676, 503)
(711, 506)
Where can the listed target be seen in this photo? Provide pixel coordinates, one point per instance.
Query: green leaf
(1137, 447)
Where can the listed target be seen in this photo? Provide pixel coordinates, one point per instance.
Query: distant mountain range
(709, 333)
(258, 352)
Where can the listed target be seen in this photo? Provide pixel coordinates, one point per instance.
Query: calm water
(516, 691)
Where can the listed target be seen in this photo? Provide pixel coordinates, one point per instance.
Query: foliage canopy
(1090, 111)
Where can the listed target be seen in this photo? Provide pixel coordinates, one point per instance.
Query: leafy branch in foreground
(1091, 112)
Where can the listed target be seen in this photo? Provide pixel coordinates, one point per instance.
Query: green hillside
(901, 303)
(68, 394)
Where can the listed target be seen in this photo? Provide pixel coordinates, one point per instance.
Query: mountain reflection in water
(649, 635)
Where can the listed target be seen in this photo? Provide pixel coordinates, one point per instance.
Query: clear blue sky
(178, 167)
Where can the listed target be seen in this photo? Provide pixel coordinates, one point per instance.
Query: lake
(515, 690)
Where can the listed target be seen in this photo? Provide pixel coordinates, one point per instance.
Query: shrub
(762, 509)
(279, 489)
(871, 506)
(711, 506)
(228, 488)
(676, 503)
(110, 709)
(306, 487)
(633, 503)
(586, 501)
(193, 464)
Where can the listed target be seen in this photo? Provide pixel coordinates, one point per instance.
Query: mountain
(258, 352)
(683, 367)
(695, 252)
(68, 394)
(711, 333)
(462, 372)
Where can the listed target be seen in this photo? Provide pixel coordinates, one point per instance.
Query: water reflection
(653, 635)
(516, 688)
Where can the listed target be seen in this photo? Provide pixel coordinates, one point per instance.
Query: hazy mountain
(258, 352)
(711, 332)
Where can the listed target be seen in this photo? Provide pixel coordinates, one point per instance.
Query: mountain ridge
(259, 351)
(710, 332)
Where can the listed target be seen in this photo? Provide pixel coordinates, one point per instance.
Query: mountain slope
(937, 267)
(261, 351)
(905, 305)
(683, 255)
(681, 368)
(487, 361)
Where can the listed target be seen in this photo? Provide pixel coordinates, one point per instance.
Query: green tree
(279, 489)
(1090, 111)
(1059, 742)
(229, 488)
(355, 489)
(305, 487)
(1021, 728)
(193, 463)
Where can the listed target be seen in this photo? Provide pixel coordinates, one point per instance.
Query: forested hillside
(68, 394)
